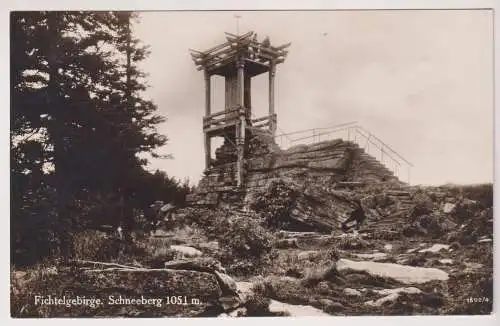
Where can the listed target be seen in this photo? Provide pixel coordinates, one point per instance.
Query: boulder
(448, 208)
(377, 303)
(200, 290)
(227, 284)
(167, 208)
(402, 273)
(435, 248)
(308, 255)
(208, 265)
(186, 251)
(286, 243)
(209, 246)
(391, 295)
(229, 302)
(352, 292)
(330, 305)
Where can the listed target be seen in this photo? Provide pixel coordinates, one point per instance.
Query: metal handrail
(321, 133)
(313, 129)
(369, 137)
(385, 145)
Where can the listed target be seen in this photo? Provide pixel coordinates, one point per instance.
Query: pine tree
(78, 109)
(134, 119)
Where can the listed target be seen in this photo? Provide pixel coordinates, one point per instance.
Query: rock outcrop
(324, 163)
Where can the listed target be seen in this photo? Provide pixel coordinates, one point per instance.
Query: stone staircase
(390, 224)
(325, 164)
(401, 197)
(366, 143)
(368, 168)
(394, 222)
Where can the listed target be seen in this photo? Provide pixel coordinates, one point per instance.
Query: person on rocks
(153, 216)
(119, 232)
(358, 215)
(167, 215)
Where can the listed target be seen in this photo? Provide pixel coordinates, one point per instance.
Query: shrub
(357, 279)
(482, 193)
(479, 225)
(158, 249)
(245, 243)
(97, 245)
(246, 238)
(257, 305)
(275, 204)
(315, 276)
(94, 245)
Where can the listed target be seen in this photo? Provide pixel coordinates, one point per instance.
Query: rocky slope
(275, 248)
(324, 163)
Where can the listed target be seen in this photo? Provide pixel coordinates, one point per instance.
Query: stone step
(378, 225)
(375, 167)
(349, 184)
(398, 193)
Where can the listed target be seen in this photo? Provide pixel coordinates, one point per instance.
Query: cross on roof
(237, 24)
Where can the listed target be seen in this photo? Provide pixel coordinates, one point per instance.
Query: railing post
(367, 141)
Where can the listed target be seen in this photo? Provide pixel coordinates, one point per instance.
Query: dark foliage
(79, 129)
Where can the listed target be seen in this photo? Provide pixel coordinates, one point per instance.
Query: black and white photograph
(251, 163)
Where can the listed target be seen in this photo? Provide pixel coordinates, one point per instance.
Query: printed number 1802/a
(477, 300)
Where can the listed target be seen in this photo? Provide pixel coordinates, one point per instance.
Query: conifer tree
(78, 117)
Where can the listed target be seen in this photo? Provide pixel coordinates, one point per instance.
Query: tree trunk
(127, 212)
(56, 130)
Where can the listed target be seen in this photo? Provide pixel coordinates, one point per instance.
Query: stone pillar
(272, 120)
(208, 99)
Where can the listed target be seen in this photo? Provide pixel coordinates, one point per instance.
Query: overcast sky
(422, 81)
